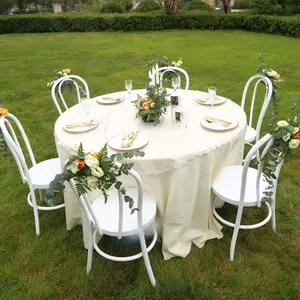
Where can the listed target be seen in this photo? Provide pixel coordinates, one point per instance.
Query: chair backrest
(268, 95)
(266, 142)
(164, 70)
(7, 125)
(90, 213)
(58, 86)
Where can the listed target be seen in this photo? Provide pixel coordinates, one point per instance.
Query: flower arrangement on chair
(3, 146)
(286, 139)
(275, 78)
(164, 62)
(93, 171)
(68, 83)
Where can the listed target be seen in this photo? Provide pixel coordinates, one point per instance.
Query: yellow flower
(277, 76)
(173, 62)
(68, 71)
(3, 111)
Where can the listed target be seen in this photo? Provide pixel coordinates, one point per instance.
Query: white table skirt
(177, 169)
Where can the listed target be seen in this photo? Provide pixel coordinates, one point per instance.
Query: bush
(291, 7)
(146, 22)
(240, 4)
(265, 7)
(197, 4)
(112, 7)
(126, 4)
(147, 5)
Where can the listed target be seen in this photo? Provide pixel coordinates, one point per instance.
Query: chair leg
(90, 250)
(36, 220)
(146, 259)
(273, 206)
(235, 232)
(41, 195)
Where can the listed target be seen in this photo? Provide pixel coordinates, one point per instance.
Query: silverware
(81, 124)
(129, 144)
(123, 140)
(222, 122)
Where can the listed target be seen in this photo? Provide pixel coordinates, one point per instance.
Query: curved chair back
(91, 214)
(57, 89)
(7, 124)
(165, 70)
(268, 94)
(266, 142)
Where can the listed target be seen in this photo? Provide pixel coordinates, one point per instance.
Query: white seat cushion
(44, 172)
(227, 186)
(250, 135)
(108, 216)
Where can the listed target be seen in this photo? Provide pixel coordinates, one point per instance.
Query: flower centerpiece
(59, 74)
(93, 171)
(275, 77)
(286, 139)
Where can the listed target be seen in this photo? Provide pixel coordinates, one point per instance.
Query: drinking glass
(212, 91)
(175, 82)
(185, 115)
(128, 86)
(86, 106)
(105, 121)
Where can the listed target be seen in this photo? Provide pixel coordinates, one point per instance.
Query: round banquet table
(178, 167)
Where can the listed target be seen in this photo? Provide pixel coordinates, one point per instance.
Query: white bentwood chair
(243, 186)
(39, 175)
(114, 218)
(57, 88)
(164, 70)
(253, 134)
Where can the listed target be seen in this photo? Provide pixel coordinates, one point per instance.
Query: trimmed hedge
(144, 22)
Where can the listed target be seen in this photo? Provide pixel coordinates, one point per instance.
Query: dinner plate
(207, 101)
(109, 99)
(140, 141)
(81, 128)
(217, 126)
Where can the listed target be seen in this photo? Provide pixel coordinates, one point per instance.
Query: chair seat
(250, 135)
(108, 217)
(227, 186)
(44, 172)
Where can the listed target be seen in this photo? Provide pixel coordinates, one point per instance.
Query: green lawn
(53, 265)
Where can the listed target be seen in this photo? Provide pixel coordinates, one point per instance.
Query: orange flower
(277, 76)
(297, 135)
(68, 71)
(81, 164)
(3, 111)
(150, 100)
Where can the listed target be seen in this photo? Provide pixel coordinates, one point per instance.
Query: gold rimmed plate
(139, 142)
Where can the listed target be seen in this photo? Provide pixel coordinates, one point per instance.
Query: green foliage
(126, 4)
(265, 7)
(102, 173)
(275, 78)
(197, 5)
(147, 5)
(112, 7)
(152, 21)
(241, 4)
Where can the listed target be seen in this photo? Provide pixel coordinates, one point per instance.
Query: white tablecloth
(178, 168)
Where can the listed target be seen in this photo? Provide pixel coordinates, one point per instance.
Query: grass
(53, 265)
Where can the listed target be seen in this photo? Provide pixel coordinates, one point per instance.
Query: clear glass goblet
(128, 86)
(175, 82)
(212, 91)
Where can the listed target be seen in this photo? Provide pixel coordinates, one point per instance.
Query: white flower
(92, 182)
(282, 123)
(152, 104)
(294, 143)
(296, 129)
(97, 172)
(73, 167)
(286, 137)
(60, 73)
(179, 63)
(272, 73)
(91, 161)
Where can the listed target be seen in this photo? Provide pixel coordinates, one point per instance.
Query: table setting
(187, 137)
